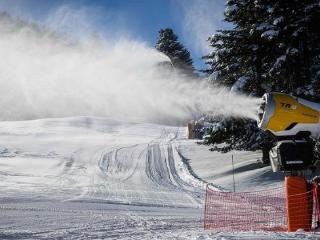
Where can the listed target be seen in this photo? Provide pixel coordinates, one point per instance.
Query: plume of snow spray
(43, 75)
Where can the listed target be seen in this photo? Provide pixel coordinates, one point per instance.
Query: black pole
(234, 183)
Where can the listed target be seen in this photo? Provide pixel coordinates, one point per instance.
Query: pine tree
(315, 77)
(274, 46)
(238, 52)
(295, 45)
(169, 45)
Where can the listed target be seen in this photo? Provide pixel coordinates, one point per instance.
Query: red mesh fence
(258, 211)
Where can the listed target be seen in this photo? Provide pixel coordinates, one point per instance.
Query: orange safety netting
(259, 211)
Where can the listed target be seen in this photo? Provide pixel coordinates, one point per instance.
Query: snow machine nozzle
(286, 115)
(293, 122)
(265, 110)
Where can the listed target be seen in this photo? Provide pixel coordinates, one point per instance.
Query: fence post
(234, 182)
(205, 208)
(297, 201)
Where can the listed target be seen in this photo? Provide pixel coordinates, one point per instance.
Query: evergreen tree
(296, 43)
(274, 46)
(315, 76)
(169, 45)
(238, 52)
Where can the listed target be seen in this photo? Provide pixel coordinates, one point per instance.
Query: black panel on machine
(292, 155)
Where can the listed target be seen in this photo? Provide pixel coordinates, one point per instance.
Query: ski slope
(91, 178)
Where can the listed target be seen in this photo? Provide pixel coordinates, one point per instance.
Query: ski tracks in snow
(80, 183)
(147, 174)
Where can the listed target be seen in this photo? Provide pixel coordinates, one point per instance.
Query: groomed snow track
(95, 178)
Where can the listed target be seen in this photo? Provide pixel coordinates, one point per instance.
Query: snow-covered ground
(90, 178)
(216, 167)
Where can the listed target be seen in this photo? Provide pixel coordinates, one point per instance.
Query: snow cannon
(285, 115)
(294, 123)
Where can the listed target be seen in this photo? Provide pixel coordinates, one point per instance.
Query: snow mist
(44, 75)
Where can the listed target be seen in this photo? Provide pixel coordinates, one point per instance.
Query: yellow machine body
(285, 115)
(287, 111)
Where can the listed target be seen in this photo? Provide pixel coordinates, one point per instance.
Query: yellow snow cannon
(288, 116)
(294, 122)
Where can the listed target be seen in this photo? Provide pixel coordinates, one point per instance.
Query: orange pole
(298, 203)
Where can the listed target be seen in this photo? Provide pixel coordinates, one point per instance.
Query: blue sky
(192, 20)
